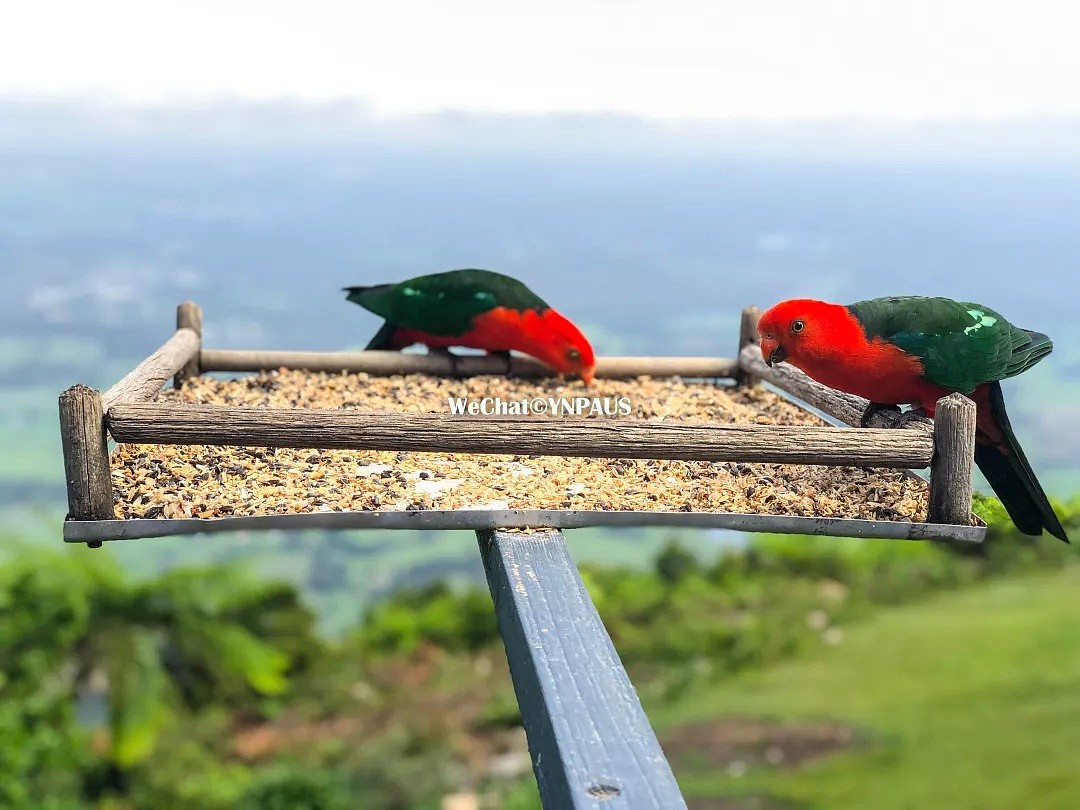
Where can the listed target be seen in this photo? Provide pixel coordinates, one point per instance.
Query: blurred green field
(965, 700)
(31, 437)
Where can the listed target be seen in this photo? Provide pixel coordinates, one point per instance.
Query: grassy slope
(973, 699)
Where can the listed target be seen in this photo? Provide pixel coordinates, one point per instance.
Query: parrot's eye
(797, 326)
(573, 354)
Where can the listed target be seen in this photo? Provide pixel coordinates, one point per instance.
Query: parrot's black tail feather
(1010, 489)
(1012, 479)
(1028, 349)
(357, 294)
(383, 339)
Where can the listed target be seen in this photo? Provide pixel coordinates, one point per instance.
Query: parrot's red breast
(547, 336)
(828, 343)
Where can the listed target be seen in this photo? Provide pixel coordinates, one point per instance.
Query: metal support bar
(92, 531)
(591, 744)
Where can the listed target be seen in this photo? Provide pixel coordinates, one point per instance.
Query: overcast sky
(672, 59)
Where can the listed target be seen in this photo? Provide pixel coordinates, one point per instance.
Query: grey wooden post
(951, 466)
(189, 315)
(748, 336)
(590, 742)
(86, 456)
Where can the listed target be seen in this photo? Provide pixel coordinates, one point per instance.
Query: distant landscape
(652, 238)
(326, 671)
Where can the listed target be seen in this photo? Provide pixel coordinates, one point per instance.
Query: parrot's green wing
(961, 345)
(445, 303)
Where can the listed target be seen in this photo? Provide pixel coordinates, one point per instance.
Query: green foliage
(524, 795)
(43, 612)
(181, 639)
(286, 787)
(137, 687)
(189, 768)
(231, 653)
(435, 614)
(501, 711)
(674, 563)
(1001, 530)
(69, 622)
(990, 510)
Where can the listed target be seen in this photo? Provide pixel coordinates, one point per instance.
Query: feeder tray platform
(367, 440)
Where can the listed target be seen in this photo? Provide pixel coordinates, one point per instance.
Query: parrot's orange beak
(586, 374)
(772, 351)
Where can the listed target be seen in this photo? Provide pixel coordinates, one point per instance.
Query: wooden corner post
(951, 466)
(189, 315)
(748, 335)
(86, 455)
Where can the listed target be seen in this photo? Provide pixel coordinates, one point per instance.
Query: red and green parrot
(477, 309)
(913, 350)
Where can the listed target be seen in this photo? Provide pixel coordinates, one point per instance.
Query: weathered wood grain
(385, 363)
(954, 455)
(189, 316)
(748, 336)
(844, 407)
(86, 455)
(159, 423)
(590, 742)
(146, 380)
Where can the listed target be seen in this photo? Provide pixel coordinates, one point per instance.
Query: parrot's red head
(561, 345)
(803, 331)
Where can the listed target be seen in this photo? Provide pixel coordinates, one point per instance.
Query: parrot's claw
(505, 356)
(449, 355)
(873, 409)
(913, 415)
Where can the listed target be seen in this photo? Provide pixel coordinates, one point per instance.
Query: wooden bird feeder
(591, 744)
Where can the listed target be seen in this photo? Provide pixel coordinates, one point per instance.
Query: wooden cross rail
(153, 423)
(385, 363)
(589, 739)
(144, 382)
